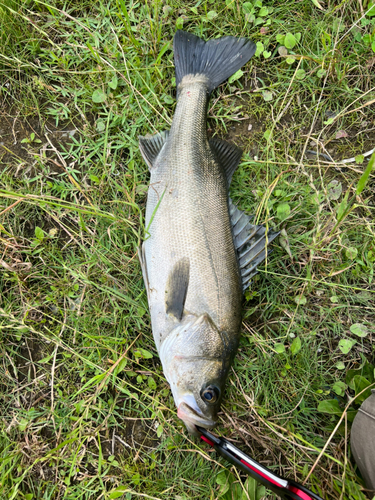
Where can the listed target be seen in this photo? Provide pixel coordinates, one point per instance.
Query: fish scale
(196, 221)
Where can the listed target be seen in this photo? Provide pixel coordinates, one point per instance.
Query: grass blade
(127, 23)
(366, 174)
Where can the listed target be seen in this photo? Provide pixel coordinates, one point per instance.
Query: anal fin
(151, 145)
(177, 287)
(251, 243)
(142, 261)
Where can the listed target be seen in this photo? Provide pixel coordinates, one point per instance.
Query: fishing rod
(287, 489)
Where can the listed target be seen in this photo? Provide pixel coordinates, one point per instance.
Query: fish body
(192, 222)
(190, 260)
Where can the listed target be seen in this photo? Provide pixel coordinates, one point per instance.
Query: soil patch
(23, 140)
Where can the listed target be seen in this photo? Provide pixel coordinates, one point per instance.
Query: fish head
(198, 403)
(196, 363)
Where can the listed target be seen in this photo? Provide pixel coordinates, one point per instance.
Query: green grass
(84, 406)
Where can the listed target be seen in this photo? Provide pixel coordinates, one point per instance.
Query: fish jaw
(192, 418)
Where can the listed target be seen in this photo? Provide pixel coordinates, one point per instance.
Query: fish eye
(210, 394)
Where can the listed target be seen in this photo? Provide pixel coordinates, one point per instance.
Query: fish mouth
(192, 418)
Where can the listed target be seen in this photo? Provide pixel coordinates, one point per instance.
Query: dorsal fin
(250, 242)
(177, 287)
(150, 146)
(228, 155)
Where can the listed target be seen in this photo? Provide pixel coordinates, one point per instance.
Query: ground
(85, 411)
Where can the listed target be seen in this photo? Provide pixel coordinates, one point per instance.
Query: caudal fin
(216, 59)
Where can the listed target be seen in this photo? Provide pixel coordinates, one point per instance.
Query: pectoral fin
(177, 287)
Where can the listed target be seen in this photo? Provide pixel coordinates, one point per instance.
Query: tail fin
(217, 59)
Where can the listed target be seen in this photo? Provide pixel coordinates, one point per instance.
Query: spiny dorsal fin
(228, 155)
(250, 242)
(150, 146)
(177, 287)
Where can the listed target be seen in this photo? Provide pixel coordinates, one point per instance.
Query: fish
(201, 251)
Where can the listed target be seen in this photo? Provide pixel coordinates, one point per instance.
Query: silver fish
(201, 251)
